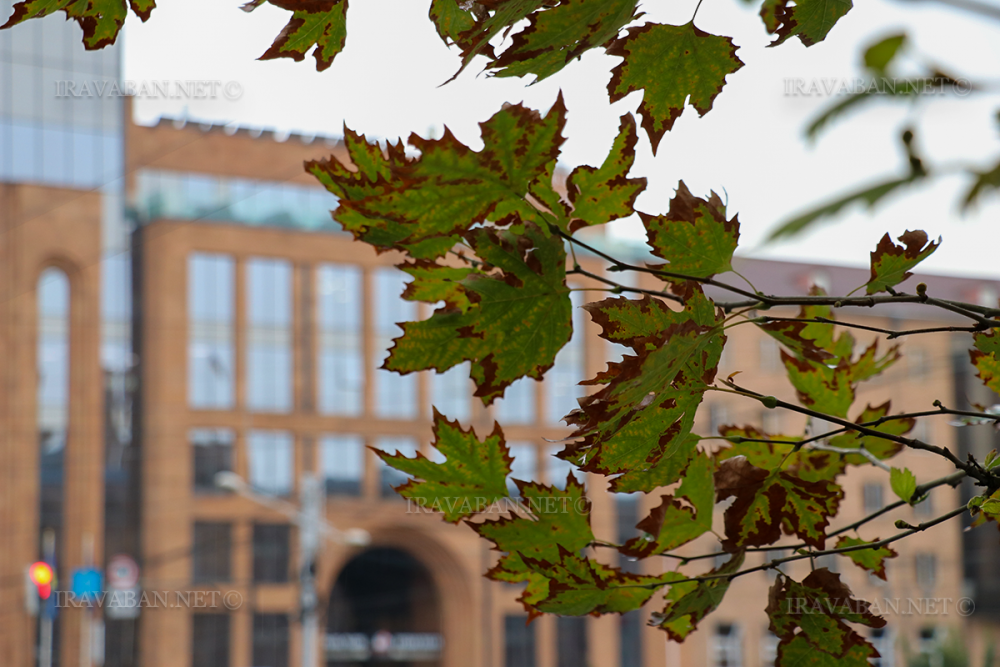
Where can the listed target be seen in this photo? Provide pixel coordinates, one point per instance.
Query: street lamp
(308, 516)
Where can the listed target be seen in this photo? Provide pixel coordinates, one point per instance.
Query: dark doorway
(384, 610)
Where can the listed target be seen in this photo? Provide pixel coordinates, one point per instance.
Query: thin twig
(860, 449)
(890, 334)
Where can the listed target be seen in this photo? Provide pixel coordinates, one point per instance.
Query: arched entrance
(384, 610)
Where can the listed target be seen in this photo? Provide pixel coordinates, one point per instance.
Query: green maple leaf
(433, 283)
(809, 20)
(809, 465)
(602, 194)
(471, 478)
(872, 560)
(555, 36)
(646, 410)
(574, 586)
(673, 65)
(903, 483)
(314, 23)
(674, 523)
(812, 616)
(891, 263)
(450, 20)
(694, 236)
(880, 447)
(510, 323)
(691, 601)
(767, 503)
(101, 20)
(423, 206)
(553, 519)
(985, 358)
(666, 471)
(373, 167)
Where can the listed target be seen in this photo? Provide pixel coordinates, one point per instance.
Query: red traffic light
(41, 576)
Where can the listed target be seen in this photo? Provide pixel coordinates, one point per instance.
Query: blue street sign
(88, 582)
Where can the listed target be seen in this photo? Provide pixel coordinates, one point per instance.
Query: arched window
(53, 392)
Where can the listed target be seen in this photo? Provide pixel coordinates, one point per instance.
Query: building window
(518, 403)
(770, 355)
(571, 641)
(929, 641)
(768, 648)
(210, 331)
(557, 470)
(209, 640)
(451, 392)
(343, 464)
(212, 453)
(272, 458)
(873, 497)
(726, 649)
(917, 363)
(525, 465)
(718, 416)
(390, 477)
(53, 294)
(519, 641)
(925, 566)
(630, 638)
(269, 335)
(270, 640)
(627, 511)
(210, 555)
(771, 422)
(883, 642)
(341, 357)
(770, 555)
(271, 546)
(563, 379)
(395, 395)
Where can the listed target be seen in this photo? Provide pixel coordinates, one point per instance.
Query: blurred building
(251, 343)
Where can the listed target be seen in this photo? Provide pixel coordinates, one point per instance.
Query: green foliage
(809, 20)
(985, 358)
(100, 19)
(891, 263)
(903, 483)
(872, 560)
(472, 476)
(319, 23)
(688, 602)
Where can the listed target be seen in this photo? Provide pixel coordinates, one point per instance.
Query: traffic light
(40, 574)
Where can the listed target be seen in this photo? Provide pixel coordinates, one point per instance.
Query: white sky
(751, 145)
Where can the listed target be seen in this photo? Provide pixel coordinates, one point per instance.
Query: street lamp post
(312, 524)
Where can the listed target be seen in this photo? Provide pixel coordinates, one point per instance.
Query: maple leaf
(599, 195)
(372, 167)
(471, 478)
(809, 20)
(101, 20)
(872, 560)
(891, 263)
(314, 23)
(985, 358)
(880, 447)
(811, 621)
(574, 586)
(768, 503)
(423, 206)
(450, 19)
(515, 318)
(691, 601)
(433, 283)
(674, 523)
(694, 236)
(647, 409)
(553, 519)
(673, 65)
(810, 465)
(554, 36)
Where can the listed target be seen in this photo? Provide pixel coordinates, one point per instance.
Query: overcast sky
(750, 147)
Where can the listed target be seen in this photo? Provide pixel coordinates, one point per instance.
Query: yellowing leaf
(450, 19)
(986, 358)
(880, 447)
(694, 236)
(600, 195)
(812, 618)
(691, 601)
(809, 20)
(470, 479)
(314, 23)
(768, 503)
(872, 560)
(673, 65)
(891, 263)
(101, 20)
(509, 323)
